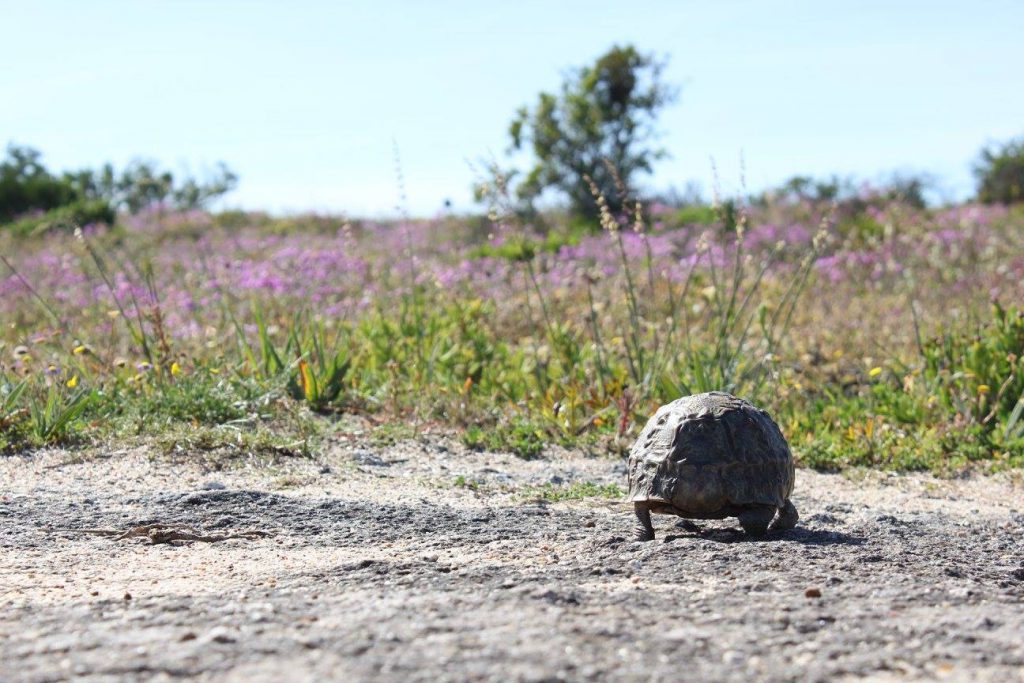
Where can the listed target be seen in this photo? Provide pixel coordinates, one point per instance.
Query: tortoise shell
(707, 456)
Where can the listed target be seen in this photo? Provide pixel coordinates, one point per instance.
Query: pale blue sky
(303, 99)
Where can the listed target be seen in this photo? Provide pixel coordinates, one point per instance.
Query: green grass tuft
(521, 437)
(579, 490)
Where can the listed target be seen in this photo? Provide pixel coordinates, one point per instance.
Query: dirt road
(426, 562)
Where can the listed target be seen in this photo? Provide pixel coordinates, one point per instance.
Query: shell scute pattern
(703, 454)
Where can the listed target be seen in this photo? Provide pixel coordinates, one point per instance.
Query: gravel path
(425, 562)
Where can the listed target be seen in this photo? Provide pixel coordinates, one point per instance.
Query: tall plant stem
(636, 367)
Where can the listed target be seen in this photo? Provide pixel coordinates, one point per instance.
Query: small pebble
(812, 593)
(219, 634)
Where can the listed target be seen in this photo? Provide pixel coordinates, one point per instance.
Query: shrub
(68, 217)
(981, 376)
(1000, 173)
(26, 185)
(37, 200)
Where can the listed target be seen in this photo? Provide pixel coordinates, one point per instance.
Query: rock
(219, 634)
(368, 458)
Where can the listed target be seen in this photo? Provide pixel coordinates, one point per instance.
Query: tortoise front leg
(756, 518)
(644, 528)
(787, 519)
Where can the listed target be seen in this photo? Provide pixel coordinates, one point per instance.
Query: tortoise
(712, 456)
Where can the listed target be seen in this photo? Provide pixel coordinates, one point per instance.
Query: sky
(309, 101)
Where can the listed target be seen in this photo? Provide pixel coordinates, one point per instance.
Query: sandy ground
(427, 562)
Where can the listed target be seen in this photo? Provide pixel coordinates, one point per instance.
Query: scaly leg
(755, 520)
(787, 519)
(644, 528)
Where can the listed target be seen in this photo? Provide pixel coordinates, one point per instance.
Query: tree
(1000, 173)
(26, 185)
(143, 185)
(599, 125)
(192, 194)
(36, 198)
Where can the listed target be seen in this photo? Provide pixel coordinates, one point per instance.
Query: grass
(461, 482)
(552, 493)
(871, 347)
(391, 432)
(521, 437)
(579, 490)
(232, 442)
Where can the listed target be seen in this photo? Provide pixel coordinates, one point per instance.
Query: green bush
(1000, 173)
(68, 217)
(981, 376)
(696, 214)
(35, 200)
(26, 185)
(520, 437)
(522, 248)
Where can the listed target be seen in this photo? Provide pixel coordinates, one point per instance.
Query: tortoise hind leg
(755, 519)
(788, 517)
(644, 529)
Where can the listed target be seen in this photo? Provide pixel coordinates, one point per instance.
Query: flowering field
(878, 335)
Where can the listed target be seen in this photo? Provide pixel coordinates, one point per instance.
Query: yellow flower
(983, 389)
(874, 372)
(73, 382)
(175, 368)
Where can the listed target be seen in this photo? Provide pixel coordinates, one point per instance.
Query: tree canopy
(601, 124)
(1000, 173)
(31, 193)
